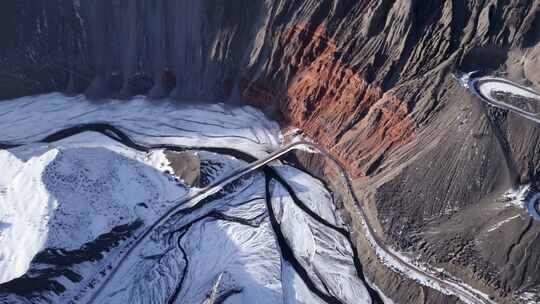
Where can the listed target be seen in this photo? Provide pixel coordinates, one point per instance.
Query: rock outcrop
(186, 166)
(369, 80)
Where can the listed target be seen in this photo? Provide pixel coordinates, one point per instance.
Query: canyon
(370, 81)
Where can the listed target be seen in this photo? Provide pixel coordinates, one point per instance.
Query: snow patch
(26, 210)
(145, 121)
(501, 223)
(517, 197)
(157, 159)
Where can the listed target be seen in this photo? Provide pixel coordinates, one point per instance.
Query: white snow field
(71, 207)
(32, 118)
(323, 252)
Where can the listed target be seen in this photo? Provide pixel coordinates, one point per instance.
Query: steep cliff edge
(369, 80)
(384, 102)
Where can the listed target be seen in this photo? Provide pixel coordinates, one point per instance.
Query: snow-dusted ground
(69, 209)
(316, 197)
(323, 252)
(32, 118)
(65, 194)
(204, 246)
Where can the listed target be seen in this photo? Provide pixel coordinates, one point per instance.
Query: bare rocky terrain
(369, 80)
(186, 165)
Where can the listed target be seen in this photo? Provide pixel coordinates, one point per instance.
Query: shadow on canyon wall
(191, 50)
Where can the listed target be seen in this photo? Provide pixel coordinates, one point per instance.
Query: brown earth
(335, 106)
(186, 166)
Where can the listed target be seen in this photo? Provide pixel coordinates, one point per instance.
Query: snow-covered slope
(67, 194)
(71, 204)
(229, 235)
(32, 118)
(316, 243)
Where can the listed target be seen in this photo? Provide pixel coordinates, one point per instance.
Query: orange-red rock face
(334, 106)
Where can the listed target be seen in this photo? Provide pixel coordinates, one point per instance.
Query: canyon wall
(369, 80)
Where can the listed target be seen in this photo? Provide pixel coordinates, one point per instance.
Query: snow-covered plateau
(81, 182)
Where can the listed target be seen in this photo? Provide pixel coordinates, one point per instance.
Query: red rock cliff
(334, 106)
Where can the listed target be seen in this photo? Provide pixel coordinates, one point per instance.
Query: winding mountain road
(449, 286)
(485, 88)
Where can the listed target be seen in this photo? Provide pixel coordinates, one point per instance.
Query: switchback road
(486, 88)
